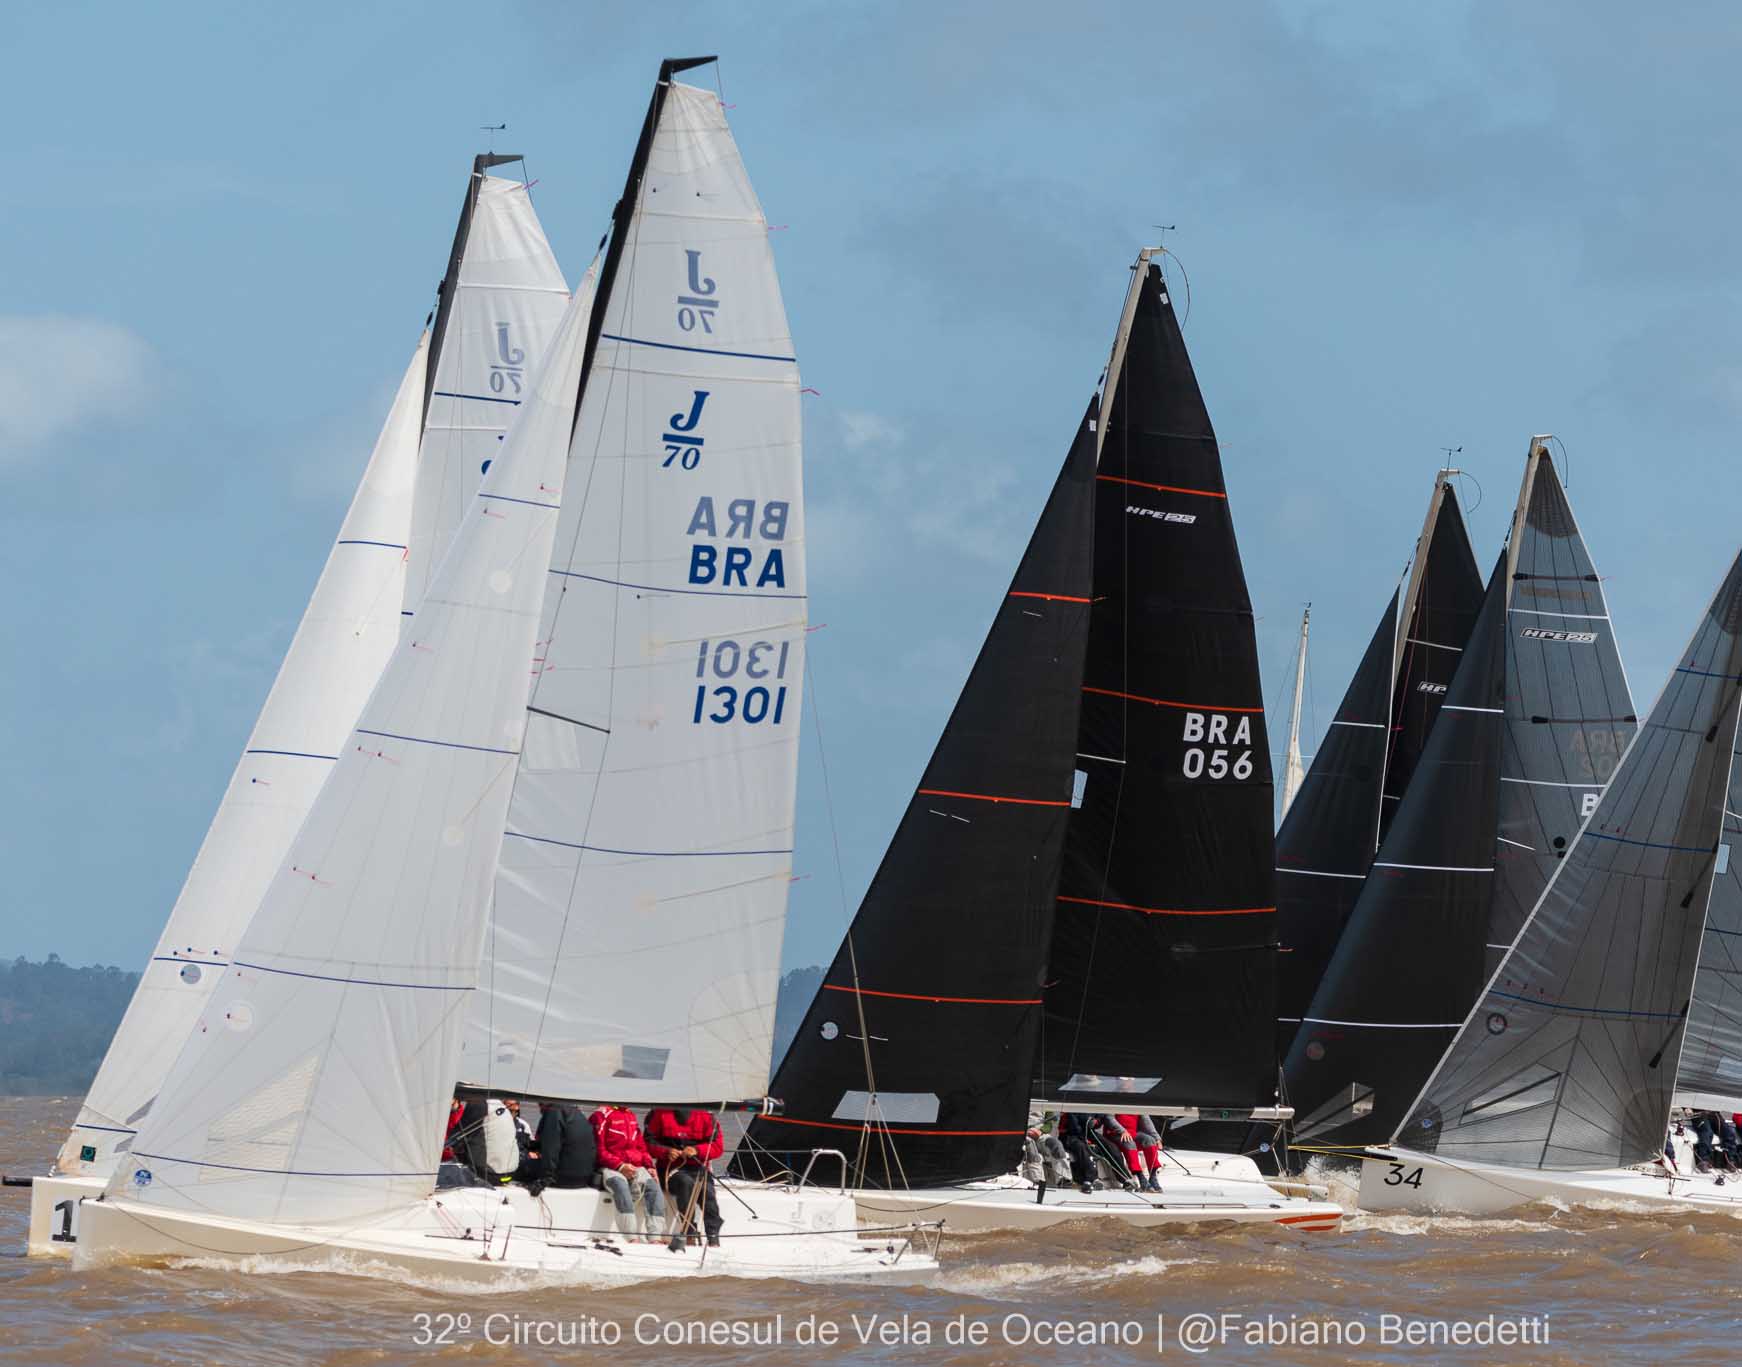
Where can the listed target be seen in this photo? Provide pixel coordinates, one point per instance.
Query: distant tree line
(55, 1023)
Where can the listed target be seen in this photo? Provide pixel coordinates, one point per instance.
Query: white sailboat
(1560, 1082)
(1293, 767)
(499, 303)
(639, 543)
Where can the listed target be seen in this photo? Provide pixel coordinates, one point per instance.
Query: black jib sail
(1160, 988)
(1568, 1060)
(922, 1036)
(1710, 1076)
(1515, 760)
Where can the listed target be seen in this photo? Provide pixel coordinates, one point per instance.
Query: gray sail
(1710, 1075)
(1569, 713)
(1568, 1060)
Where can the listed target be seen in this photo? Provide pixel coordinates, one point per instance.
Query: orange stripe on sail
(1163, 488)
(1050, 597)
(886, 1129)
(988, 797)
(1163, 702)
(1165, 911)
(927, 997)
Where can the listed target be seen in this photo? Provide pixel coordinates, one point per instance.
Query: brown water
(1614, 1288)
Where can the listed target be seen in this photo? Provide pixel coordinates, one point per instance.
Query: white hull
(54, 1213)
(1400, 1180)
(505, 1238)
(1197, 1188)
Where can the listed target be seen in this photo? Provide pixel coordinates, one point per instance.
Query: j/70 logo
(1219, 742)
(510, 370)
(703, 300)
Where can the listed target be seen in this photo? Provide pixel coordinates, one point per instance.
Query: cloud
(58, 374)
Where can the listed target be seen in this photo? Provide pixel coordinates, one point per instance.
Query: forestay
(501, 300)
(346, 635)
(315, 1084)
(1568, 1059)
(635, 942)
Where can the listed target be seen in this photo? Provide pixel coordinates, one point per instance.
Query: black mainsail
(1330, 834)
(1524, 743)
(1568, 1059)
(1710, 1075)
(1160, 987)
(922, 1035)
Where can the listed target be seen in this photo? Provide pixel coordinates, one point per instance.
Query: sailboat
(1529, 732)
(494, 315)
(1082, 917)
(1329, 836)
(1558, 1084)
(638, 544)
(1293, 766)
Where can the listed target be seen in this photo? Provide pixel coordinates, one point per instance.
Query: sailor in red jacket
(683, 1146)
(626, 1169)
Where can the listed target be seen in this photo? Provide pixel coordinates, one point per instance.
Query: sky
(1405, 228)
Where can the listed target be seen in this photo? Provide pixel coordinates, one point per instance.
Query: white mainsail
(1293, 767)
(346, 635)
(503, 300)
(315, 1084)
(634, 945)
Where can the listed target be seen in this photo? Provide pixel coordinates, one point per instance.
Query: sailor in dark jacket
(1076, 1133)
(567, 1153)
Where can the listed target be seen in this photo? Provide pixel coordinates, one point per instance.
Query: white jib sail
(315, 1085)
(346, 635)
(507, 304)
(634, 945)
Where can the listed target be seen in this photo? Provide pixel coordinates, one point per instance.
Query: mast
(1294, 771)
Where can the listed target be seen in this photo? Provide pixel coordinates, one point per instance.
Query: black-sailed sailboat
(1531, 726)
(1559, 1083)
(1077, 906)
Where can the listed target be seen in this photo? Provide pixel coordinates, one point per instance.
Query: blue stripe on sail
(704, 350)
(354, 982)
(1590, 1010)
(660, 588)
(1646, 844)
(179, 959)
(481, 398)
(389, 545)
(530, 503)
(446, 744)
(645, 854)
(407, 612)
(106, 1129)
(294, 754)
(1706, 673)
(275, 1172)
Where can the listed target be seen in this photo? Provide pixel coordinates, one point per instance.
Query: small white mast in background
(1293, 770)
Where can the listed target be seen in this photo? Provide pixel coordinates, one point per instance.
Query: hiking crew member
(683, 1146)
(626, 1168)
(566, 1151)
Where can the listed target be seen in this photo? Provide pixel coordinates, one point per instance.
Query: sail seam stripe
(445, 744)
(1455, 707)
(1416, 641)
(1589, 1010)
(1430, 868)
(1375, 725)
(1165, 911)
(276, 1172)
(1160, 488)
(177, 959)
(1385, 1025)
(1647, 844)
(388, 545)
(1050, 597)
(529, 502)
(1519, 843)
(106, 1129)
(703, 350)
(655, 588)
(1707, 673)
(988, 797)
(1551, 783)
(1320, 873)
(1105, 759)
(643, 854)
(928, 997)
(480, 398)
(354, 982)
(1164, 702)
(293, 754)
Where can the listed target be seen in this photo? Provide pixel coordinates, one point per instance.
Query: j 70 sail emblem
(683, 443)
(700, 304)
(513, 364)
